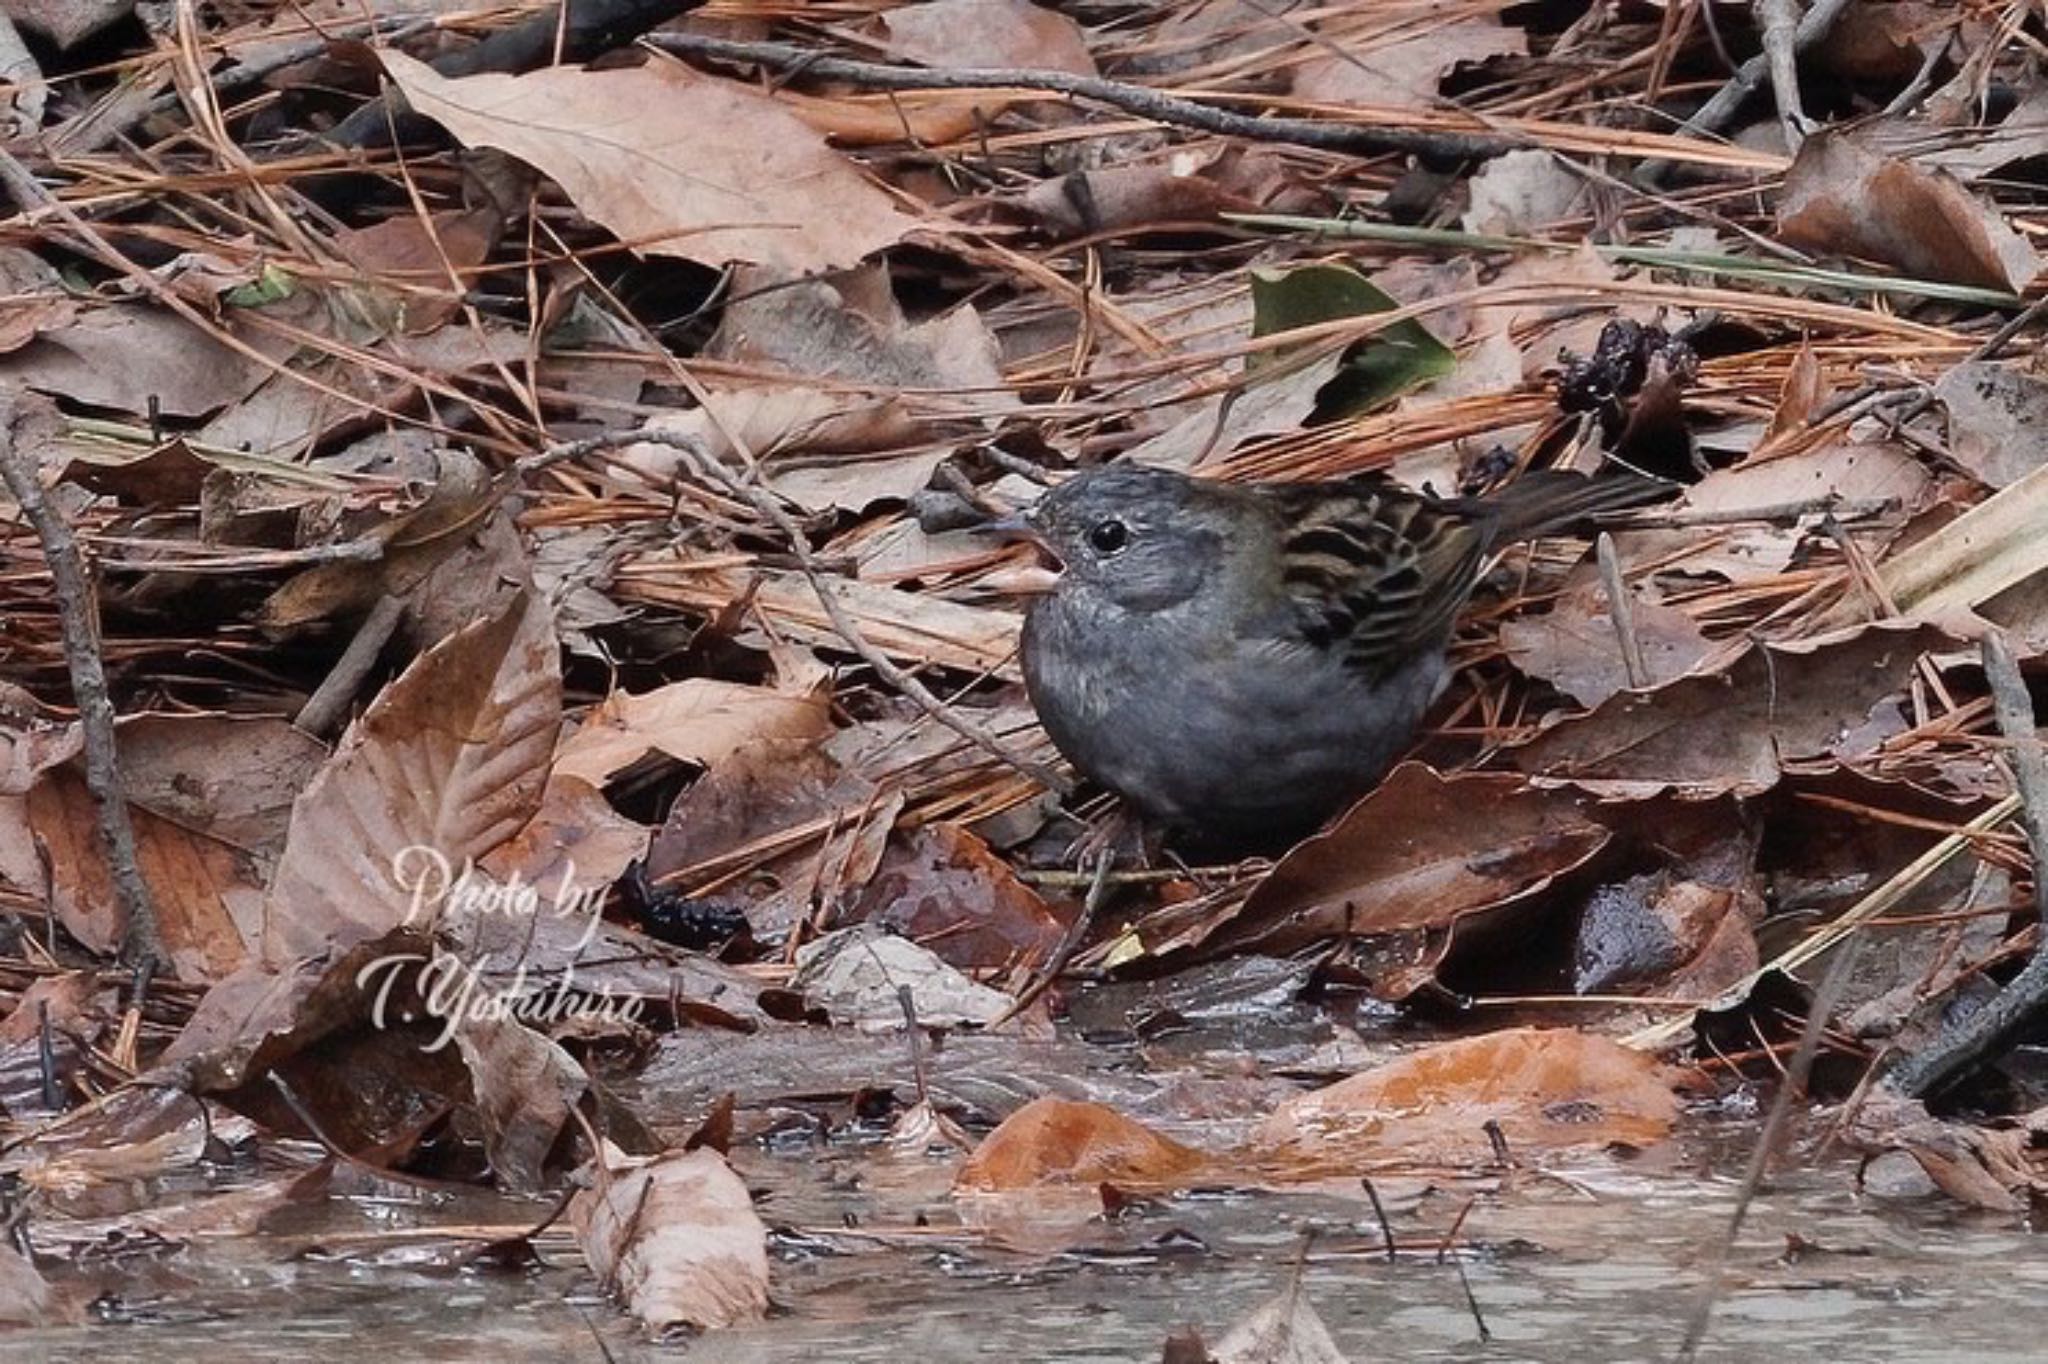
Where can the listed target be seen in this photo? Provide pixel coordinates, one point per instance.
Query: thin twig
(1841, 508)
(78, 613)
(1791, 1087)
(1136, 99)
(1718, 112)
(1780, 20)
(322, 713)
(1989, 1032)
(799, 543)
(1069, 943)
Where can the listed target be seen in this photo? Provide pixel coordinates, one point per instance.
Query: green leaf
(269, 287)
(1371, 372)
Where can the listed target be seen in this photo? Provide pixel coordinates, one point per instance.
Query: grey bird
(1240, 661)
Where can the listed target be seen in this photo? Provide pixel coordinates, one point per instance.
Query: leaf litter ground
(576, 771)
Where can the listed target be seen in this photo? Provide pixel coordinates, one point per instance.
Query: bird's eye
(1109, 536)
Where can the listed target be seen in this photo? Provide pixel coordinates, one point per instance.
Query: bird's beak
(1024, 579)
(1016, 526)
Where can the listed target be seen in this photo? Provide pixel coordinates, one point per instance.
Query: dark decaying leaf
(1734, 731)
(1422, 851)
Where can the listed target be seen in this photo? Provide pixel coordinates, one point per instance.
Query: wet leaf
(855, 975)
(1282, 1330)
(677, 1239)
(1547, 1089)
(1060, 1141)
(942, 885)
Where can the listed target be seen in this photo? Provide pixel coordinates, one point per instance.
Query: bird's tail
(1557, 502)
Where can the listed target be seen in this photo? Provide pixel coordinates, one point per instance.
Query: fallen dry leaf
(1574, 647)
(124, 358)
(985, 33)
(699, 720)
(626, 144)
(1732, 731)
(1401, 65)
(1843, 195)
(1421, 851)
(857, 974)
(448, 762)
(1997, 420)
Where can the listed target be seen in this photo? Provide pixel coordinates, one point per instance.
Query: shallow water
(1607, 1267)
(1602, 1260)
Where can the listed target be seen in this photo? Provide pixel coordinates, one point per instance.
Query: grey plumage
(1240, 660)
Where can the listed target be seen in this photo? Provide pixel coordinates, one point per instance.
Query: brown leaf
(1804, 391)
(1748, 553)
(1421, 851)
(1573, 645)
(1547, 1089)
(575, 843)
(425, 261)
(73, 1002)
(24, 1293)
(123, 357)
(1844, 196)
(940, 885)
(1731, 731)
(463, 500)
(677, 1239)
(526, 1089)
(1060, 1141)
(1282, 1330)
(1997, 1165)
(698, 720)
(1404, 71)
(1997, 420)
(209, 797)
(629, 147)
(985, 33)
(200, 886)
(450, 760)
(858, 975)
(167, 475)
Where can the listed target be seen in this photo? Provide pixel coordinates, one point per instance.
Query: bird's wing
(1375, 574)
